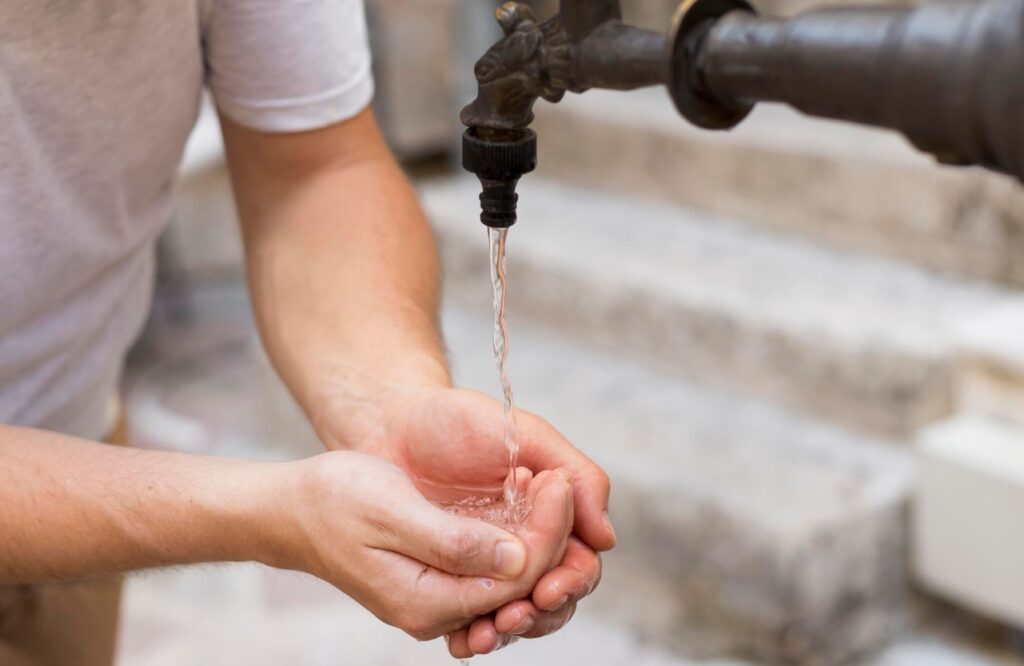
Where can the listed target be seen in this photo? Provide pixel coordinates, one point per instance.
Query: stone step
(848, 185)
(743, 529)
(848, 337)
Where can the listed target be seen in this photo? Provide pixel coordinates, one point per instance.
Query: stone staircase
(746, 329)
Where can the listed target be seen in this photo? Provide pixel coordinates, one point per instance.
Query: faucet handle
(532, 60)
(511, 14)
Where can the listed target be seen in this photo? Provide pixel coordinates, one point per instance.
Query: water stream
(510, 510)
(499, 290)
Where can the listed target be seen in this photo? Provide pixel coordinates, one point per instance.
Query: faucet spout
(585, 46)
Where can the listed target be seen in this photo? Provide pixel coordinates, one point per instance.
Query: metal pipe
(948, 75)
(617, 56)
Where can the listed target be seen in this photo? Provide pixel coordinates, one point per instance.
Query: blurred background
(797, 348)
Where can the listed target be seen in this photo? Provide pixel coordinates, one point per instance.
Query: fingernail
(561, 602)
(524, 626)
(509, 558)
(608, 524)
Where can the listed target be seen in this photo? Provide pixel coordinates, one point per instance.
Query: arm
(72, 509)
(344, 277)
(342, 269)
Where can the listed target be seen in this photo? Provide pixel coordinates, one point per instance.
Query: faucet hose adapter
(499, 158)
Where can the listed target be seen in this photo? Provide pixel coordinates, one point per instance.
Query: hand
(359, 523)
(450, 442)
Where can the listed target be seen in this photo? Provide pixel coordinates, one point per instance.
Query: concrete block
(848, 186)
(968, 539)
(847, 337)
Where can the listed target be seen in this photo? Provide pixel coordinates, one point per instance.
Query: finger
(543, 447)
(522, 618)
(575, 577)
(548, 526)
(523, 477)
(549, 623)
(545, 532)
(483, 638)
(516, 618)
(458, 644)
(454, 544)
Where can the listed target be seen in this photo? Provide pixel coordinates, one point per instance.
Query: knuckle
(458, 549)
(469, 602)
(380, 531)
(418, 626)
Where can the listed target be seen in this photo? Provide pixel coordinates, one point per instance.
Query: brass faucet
(949, 75)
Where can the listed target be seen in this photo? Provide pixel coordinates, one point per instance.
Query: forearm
(72, 509)
(343, 272)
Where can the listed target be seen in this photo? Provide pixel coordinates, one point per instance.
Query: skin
(343, 274)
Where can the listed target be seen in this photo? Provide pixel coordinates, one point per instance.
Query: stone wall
(414, 60)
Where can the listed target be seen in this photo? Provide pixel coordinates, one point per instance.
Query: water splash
(499, 287)
(494, 510)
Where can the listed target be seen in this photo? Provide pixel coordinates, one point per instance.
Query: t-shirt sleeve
(288, 65)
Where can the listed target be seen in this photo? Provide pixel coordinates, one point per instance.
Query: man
(97, 98)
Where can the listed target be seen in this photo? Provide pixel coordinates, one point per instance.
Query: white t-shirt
(97, 98)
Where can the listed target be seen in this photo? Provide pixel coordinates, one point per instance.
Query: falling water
(499, 286)
(509, 510)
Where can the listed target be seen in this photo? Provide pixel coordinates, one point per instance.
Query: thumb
(457, 544)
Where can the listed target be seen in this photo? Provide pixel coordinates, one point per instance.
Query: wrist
(291, 525)
(272, 532)
(351, 407)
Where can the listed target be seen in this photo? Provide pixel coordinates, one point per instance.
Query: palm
(450, 443)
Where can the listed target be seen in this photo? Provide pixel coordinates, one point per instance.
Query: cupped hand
(360, 523)
(450, 443)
